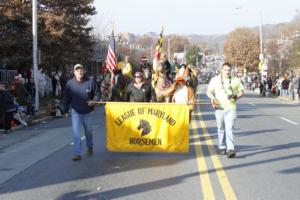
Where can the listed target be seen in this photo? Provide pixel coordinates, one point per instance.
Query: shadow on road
(105, 163)
(129, 190)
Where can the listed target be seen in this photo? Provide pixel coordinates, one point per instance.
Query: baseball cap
(78, 66)
(140, 74)
(144, 58)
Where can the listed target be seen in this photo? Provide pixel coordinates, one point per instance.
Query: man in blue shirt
(81, 92)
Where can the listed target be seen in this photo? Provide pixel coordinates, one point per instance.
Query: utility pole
(169, 47)
(169, 53)
(261, 55)
(185, 50)
(34, 56)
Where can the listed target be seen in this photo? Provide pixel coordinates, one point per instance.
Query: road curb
(289, 101)
(33, 122)
(42, 119)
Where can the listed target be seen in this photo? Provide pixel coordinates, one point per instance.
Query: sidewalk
(41, 116)
(288, 100)
(18, 135)
(39, 121)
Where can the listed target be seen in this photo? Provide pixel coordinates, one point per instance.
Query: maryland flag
(158, 49)
(147, 127)
(120, 64)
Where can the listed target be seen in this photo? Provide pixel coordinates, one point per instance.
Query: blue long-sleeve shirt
(77, 94)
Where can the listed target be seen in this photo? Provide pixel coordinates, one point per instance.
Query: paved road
(39, 165)
(267, 139)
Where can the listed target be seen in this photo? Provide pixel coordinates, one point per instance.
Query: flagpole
(113, 30)
(113, 26)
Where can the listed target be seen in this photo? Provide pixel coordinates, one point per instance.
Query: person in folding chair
(223, 91)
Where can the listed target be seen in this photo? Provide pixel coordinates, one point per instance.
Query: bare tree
(242, 48)
(145, 42)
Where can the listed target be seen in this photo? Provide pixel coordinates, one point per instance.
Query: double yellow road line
(207, 188)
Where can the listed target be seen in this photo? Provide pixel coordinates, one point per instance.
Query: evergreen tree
(15, 34)
(65, 26)
(63, 32)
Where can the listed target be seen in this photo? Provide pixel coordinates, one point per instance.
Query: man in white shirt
(223, 91)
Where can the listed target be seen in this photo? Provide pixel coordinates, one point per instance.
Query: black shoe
(222, 151)
(231, 154)
(90, 151)
(76, 158)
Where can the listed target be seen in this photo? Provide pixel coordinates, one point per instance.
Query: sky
(189, 16)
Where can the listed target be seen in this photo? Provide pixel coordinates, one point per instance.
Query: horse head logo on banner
(145, 126)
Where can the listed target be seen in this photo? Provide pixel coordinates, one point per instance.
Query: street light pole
(35, 60)
(185, 48)
(169, 53)
(169, 47)
(261, 56)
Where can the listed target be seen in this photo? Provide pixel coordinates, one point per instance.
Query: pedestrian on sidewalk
(10, 108)
(223, 91)
(81, 92)
(2, 107)
(296, 84)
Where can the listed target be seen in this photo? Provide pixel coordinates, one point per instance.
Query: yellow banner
(147, 127)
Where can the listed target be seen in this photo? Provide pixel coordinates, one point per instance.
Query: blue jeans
(225, 122)
(85, 120)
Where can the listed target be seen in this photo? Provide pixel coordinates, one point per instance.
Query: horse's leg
(167, 99)
(159, 95)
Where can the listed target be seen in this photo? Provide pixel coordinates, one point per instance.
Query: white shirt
(181, 94)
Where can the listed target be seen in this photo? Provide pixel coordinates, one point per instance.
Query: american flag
(111, 59)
